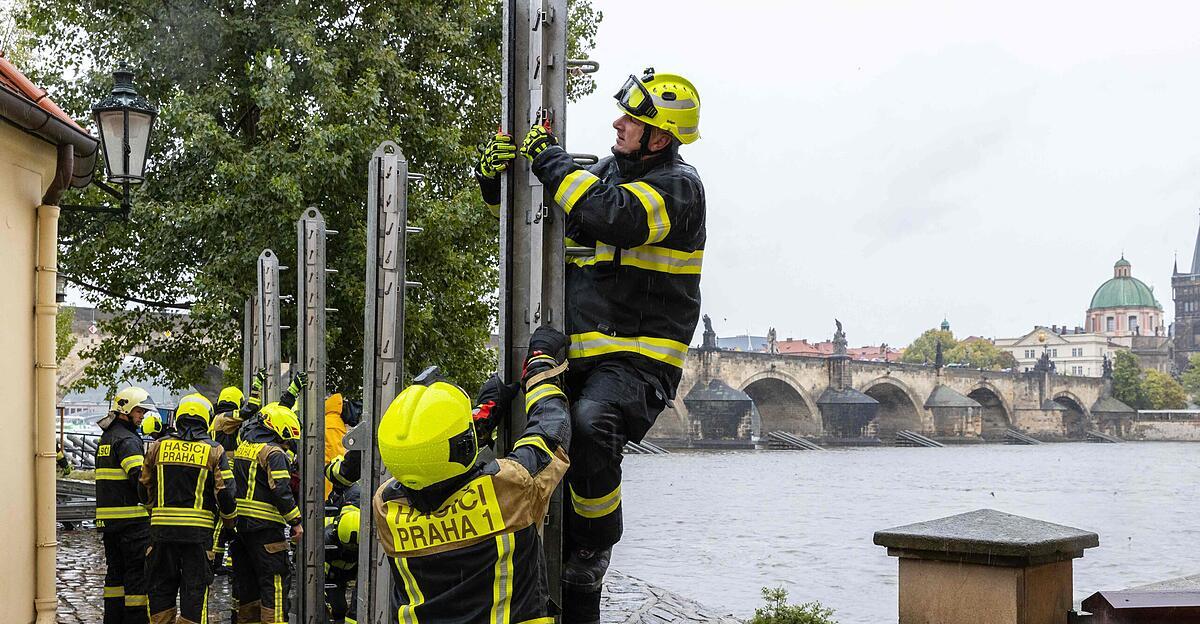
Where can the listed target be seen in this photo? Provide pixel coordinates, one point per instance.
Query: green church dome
(1124, 291)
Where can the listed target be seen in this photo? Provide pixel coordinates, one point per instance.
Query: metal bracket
(583, 66)
(584, 159)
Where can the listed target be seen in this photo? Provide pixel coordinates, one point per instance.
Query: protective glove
(538, 139)
(495, 400)
(256, 386)
(496, 154)
(299, 383)
(65, 470)
(547, 359)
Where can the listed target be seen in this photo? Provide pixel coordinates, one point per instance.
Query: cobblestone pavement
(626, 600)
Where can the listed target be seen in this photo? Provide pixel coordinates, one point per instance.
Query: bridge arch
(899, 407)
(782, 403)
(995, 414)
(1076, 419)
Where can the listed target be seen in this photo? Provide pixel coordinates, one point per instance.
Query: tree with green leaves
(923, 350)
(64, 339)
(980, 353)
(1127, 380)
(1191, 377)
(1161, 391)
(267, 108)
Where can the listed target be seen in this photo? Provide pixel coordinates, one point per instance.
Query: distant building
(1125, 306)
(1122, 315)
(1185, 288)
(743, 343)
(881, 353)
(1073, 352)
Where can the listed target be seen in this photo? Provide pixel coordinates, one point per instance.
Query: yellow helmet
(347, 525)
(231, 394)
(129, 398)
(426, 435)
(283, 421)
(152, 424)
(195, 406)
(666, 101)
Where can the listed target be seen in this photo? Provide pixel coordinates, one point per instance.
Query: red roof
(15, 81)
(825, 348)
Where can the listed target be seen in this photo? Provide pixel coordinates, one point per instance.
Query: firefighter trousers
(337, 585)
(178, 569)
(611, 404)
(125, 599)
(260, 576)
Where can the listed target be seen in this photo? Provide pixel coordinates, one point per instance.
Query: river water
(718, 526)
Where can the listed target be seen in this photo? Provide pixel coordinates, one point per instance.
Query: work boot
(585, 568)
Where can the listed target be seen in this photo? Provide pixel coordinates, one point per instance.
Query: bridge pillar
(985, 567)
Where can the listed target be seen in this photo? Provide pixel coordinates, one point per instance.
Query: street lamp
(125, 120)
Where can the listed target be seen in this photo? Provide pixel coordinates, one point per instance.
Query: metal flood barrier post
(248, 333)
(267, 339)
(531, 228)
(311, 274)
(383, 357)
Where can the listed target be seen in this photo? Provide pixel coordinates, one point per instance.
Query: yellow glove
(538, 139)
(496, 154)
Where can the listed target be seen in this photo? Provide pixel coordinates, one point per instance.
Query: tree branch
(187, 305)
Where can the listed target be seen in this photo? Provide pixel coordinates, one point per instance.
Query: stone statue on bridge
(772, 342)
(710, 336)
(839, 339)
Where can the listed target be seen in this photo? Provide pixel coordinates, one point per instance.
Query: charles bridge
(734, 398)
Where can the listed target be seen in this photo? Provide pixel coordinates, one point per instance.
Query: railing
(912, 438)
(1012, 436)
(785, 440)
(1168, 415)
(80, 448)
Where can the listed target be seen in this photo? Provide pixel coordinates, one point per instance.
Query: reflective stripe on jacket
(264, 493)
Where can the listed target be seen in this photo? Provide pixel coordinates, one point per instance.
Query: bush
(778, 611)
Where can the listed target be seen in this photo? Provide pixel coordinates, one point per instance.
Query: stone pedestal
(985, 567)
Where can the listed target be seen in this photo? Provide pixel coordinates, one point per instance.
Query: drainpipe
(45, 381)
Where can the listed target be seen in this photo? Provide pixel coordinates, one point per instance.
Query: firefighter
(464, 535)
(153, 427)
(631, 305)
(123, 522)
(265, 508)
(341, 563)
(189, 487)
(62, 461)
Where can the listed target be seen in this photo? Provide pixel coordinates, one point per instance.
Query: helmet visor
(635, 99)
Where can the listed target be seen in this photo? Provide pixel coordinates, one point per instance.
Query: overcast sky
(889, 162)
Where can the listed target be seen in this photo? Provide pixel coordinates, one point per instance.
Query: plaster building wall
(27, 167)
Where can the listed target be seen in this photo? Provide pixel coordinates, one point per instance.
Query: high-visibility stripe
(160, 486)
(603, 253)
(181, 522)
(131, 462)
(281, 475)
(260, 510)
(227, 475)
(533, 440)
(278, 596)
(183, 512)
(572, 188)
(292, 515)
(114, 592)
(201, 479)
(408, 612)
(204, 606)
(502, 580)
(121, 513)
(136, 600)
(596, 507)
(542, 620)
(663, 260)
(656, 210)
(592, 344)
(543, 391)
(111, 474)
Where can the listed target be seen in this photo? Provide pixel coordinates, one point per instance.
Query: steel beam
(268, 343)
(383, 357)
(531, 228)
(310, 357)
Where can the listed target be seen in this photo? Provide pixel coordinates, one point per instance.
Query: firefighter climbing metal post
(311, 236)
(383, 356)
(267, 329)
(534, 90)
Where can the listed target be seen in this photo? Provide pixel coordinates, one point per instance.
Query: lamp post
(125, 120)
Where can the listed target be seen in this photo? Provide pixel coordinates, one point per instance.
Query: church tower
(1185, 288)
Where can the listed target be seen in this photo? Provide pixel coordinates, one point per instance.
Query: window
(1077, 352)
(1133, 324)
(1053, 352)
(1110, 324)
